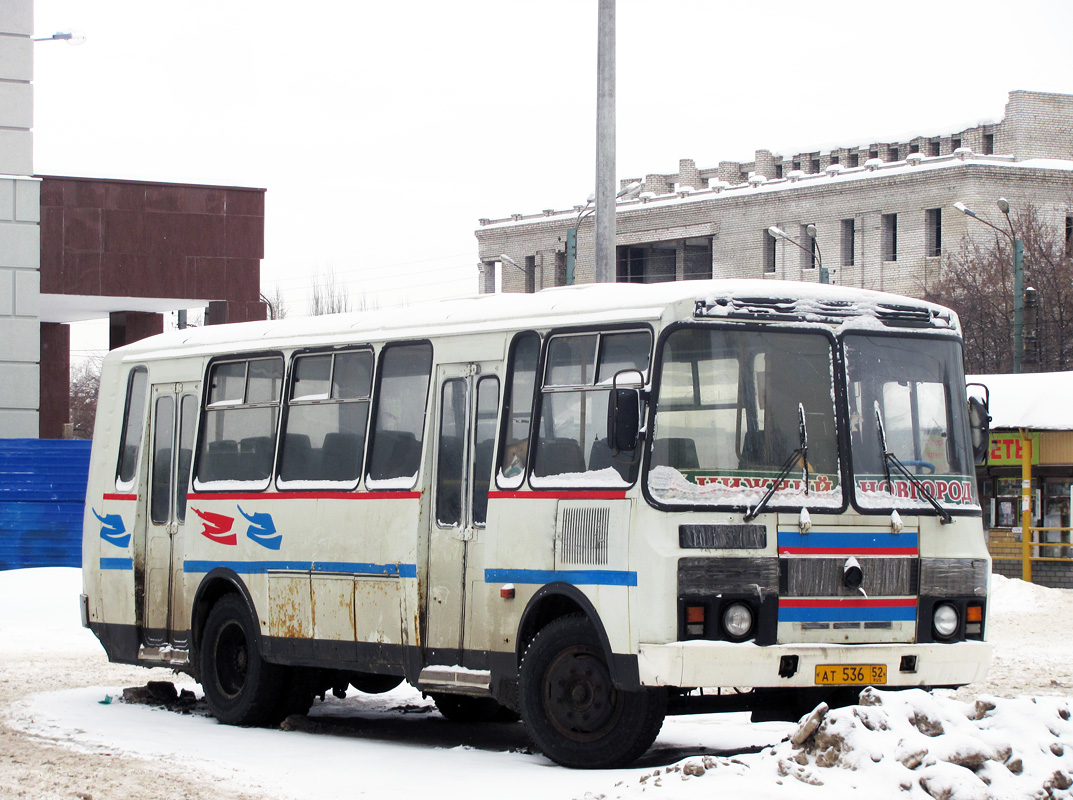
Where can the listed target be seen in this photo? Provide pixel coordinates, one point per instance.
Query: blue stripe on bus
(849, 540)
(117, 563)
(596, 577)
(848, 614)
(258, 567)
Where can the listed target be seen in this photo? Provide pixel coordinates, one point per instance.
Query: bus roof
(776, 301)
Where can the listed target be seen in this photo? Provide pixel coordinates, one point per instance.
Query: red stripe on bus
(856, 602)
(303, 496)
(120, 497)
(560, 495)
(862, 550)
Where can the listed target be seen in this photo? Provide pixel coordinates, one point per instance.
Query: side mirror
(624, 415)
(979, 426)
(623, 419)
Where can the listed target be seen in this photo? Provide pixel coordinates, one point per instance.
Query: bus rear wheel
(572, 710)
(241, 688)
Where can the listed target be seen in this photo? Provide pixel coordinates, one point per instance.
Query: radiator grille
(584, 535)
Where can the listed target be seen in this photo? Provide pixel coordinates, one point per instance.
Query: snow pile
(909, 744)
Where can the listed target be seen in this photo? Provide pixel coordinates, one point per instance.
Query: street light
(1018, 276)
(587, 210)
(71, 37)
(810, 230)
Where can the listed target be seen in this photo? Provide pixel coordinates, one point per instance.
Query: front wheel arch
(556, 600)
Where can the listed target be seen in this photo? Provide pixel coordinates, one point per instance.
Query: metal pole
(1018, 305)
(605, 144)
(1026, 506)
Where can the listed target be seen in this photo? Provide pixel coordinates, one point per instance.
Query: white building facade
(883, 212)
(20, 239)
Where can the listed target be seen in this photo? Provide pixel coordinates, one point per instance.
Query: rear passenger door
(158, 562)
(467, 412)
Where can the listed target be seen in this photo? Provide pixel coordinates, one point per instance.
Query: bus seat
(340, 457)
(219, 462)
(296, 460)
(600, 458)
(559, 457)
(256, 458)
(394, 454)
(679, 452)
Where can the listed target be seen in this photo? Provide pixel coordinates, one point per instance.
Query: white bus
(590, 507)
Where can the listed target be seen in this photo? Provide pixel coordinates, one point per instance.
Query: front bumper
(724, 664)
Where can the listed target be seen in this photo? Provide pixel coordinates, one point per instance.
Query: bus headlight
(945, 620)
(737, 620)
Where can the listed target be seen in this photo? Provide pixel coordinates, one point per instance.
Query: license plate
(851, 674)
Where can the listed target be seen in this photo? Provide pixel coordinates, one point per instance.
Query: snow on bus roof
(584, 304)
(1037, 401)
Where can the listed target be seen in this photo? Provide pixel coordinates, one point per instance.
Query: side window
(160, 490)
(187, 421)
(327, 413)
(484, 442)
(401, 399)
(517, 411)
(451, 454)
(133, 428)
(238, 430)
(572, 433)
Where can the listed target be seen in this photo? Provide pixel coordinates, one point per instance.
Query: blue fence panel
(42, 494)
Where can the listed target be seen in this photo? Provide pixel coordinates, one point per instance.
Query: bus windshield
(907, 404)
(736, 407)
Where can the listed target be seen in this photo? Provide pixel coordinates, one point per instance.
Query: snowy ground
(1010, 737)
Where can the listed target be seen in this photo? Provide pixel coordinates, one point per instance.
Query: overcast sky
(384, 130)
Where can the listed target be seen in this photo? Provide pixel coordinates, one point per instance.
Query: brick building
(883, 211)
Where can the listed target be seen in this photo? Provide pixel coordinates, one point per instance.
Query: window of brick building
(914, 148)
(848, 242)
(834, 159)
(873, 154)
(955, 143)
(778, 171)
(530, 274)
(815, 166)
(889, 242)
(769, 252)
(808, 249)
(933, 149)
(797, 165)
(989, 144)
(933, 231)
(854, 160)
(894, 154)
(1069, 235)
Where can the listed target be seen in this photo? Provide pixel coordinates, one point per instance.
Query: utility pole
(605, 144)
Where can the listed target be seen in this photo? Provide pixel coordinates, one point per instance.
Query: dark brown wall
(55, 380)
(134, 239)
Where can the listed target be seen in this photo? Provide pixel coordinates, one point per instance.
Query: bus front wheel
(241, 688)
(572, 710)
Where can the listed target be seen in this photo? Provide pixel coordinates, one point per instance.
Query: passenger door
(162, 613)
(467, 411)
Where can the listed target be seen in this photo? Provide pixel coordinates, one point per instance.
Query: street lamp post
(1018, 276)
(810, 230)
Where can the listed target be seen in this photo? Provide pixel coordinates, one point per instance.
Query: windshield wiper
(801, 452)
(889, 458)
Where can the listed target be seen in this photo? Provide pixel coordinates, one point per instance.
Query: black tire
(241, 688)
(462, 708)
(572, 710)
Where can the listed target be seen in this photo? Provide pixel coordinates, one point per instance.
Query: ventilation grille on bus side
(584, 535)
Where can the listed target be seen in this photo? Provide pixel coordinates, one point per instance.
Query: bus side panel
(110, 517)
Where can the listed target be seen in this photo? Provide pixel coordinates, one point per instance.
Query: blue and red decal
(113, 530)
(847, 543)
(218, 528)
(847, 609)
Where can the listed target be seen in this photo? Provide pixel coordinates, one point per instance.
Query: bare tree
(977, 282)
(85, 383)
(277, 306)
(327, 295)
